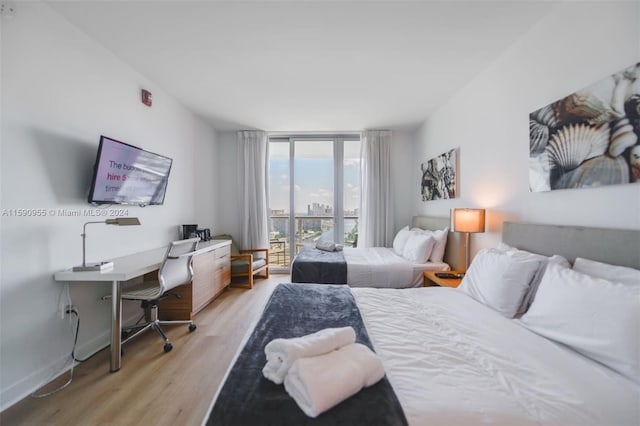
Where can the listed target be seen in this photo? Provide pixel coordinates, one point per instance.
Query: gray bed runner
(317, 266)
(293, 310)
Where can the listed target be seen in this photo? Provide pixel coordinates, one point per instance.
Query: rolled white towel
(321, 382)
(281, 353)
(326, 245)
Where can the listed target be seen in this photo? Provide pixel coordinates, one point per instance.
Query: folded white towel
(321, 382)
(281, 353)
(326, 245)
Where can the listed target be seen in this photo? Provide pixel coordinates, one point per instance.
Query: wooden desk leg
(116, 324)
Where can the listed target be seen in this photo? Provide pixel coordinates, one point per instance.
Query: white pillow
(400, 240)
(437, 254)
(441, 244)
(619, 274)
(418, 248)
(499, 280)
(537, 277)
(596, 317)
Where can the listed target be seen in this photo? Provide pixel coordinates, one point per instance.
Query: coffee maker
(189, 231)
(192, 231)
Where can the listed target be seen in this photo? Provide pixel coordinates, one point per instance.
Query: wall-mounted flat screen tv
(125, 174)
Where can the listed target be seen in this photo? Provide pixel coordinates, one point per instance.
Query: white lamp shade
(467, 220)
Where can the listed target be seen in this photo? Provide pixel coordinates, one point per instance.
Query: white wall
(575, 45)
(228, 209)
(405, 187)
(60, 92)
(208, 181)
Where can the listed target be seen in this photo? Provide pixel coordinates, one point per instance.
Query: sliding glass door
(314, 192)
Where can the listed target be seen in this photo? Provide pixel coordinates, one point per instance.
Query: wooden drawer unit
(176, 308)
(222, 268)
(204, 282)
(211, 275)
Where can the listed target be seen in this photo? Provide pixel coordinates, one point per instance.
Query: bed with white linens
(453, 361)
(562, 348)
(427, 245)
(383, 268)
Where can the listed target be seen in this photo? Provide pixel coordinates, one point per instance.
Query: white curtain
(376, 205)
(253, 178)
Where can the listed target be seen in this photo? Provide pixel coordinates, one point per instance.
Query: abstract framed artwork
(589, 138)
(439, 177)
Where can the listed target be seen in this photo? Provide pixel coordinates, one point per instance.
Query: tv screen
(125, 174)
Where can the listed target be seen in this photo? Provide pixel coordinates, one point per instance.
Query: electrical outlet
(64, 302)
(69, 309)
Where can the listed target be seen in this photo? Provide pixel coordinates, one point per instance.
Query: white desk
(125, 268)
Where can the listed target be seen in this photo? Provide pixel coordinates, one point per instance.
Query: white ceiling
(307, 65)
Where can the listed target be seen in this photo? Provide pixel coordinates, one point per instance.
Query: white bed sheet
(453, 361)
(381, 267)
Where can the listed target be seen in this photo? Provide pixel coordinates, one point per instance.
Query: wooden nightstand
(430, 280)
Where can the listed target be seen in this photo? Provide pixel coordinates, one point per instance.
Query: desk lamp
(467, 221)
(102, 266)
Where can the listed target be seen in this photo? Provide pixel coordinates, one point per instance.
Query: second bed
(378, 267)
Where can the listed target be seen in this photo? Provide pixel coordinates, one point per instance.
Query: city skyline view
(314, 213)
(314, 177)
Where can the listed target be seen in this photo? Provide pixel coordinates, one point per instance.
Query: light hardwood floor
(154, 388)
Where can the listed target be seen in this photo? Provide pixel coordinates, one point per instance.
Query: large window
(314, 187)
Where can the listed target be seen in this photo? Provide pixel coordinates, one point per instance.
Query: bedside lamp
(467, 221)
(121, 221)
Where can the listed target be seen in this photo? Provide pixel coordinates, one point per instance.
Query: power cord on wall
(69, 310)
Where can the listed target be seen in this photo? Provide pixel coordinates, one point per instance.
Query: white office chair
(174, 271)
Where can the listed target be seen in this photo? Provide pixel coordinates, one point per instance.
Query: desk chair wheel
(168, 347)
(192, 327)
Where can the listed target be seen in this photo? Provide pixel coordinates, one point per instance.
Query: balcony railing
(308, 231)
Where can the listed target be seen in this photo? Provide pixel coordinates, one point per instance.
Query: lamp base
(102, 266)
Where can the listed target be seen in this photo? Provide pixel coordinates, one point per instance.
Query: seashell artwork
(575, 143)
(539, 170)
(589, 138)
(622, 137)
(545, 115)
(580, 107)
(634, 160)
(598, 171)
(538, 137)
(632, 107)
(439, 177)
(632, 111)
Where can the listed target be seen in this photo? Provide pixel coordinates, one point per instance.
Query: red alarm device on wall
(146, 97)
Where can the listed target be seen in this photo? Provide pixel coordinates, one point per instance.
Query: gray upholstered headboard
(615, 246)
(455, 252)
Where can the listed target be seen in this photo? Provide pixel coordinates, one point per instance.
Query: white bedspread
(381, 267)
(453, 361)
